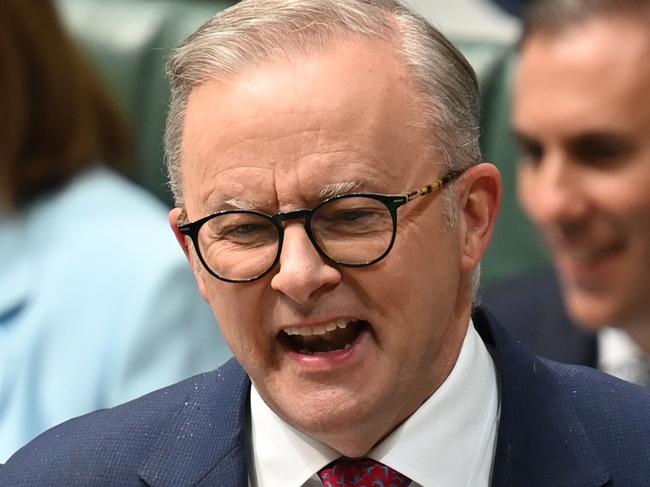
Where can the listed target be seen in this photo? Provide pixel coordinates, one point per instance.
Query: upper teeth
(317, 330)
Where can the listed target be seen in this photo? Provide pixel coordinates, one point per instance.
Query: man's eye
(355, 222)
(354, 217)
(602, 152)
(351, 216)
(243, 233)
(244, 229)
(531, 152)
(248, 230)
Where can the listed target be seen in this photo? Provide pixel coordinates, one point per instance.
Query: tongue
(334, 340)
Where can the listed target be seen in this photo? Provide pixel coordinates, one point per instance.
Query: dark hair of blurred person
(514, 7)
(53, 125)
(555, 17)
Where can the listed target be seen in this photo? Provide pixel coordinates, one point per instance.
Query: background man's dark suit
(530, 307)
(560, 426)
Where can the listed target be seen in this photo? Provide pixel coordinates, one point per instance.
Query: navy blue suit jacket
(560, 426)
(531, 308)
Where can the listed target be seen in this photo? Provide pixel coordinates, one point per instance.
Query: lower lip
(329, 361)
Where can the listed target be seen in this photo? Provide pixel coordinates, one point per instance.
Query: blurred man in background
(582, 116)
(96, 303)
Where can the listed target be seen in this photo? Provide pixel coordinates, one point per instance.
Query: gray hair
(555, 16)
(254, 31)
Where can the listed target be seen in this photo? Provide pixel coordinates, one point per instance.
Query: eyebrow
(337, 189)
(227, 202)
(326, 191)
(237, 204)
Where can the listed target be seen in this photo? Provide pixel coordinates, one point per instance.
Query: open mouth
(331, 337)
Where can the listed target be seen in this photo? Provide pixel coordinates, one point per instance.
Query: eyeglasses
(354, 230)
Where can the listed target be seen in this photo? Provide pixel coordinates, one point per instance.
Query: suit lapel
(205, 443)
(541, 439)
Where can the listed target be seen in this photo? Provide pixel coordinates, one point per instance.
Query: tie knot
(347, 472)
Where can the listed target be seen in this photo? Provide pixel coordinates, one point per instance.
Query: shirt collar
(449, 440)
(282, 455)
(620, 356)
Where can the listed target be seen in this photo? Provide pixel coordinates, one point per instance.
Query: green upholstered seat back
(129, 41)
(517, 246)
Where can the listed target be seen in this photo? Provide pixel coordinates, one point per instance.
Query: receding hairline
(589, 30)
(296, 54)
(549, 18)
(293, 53)
(307, 40)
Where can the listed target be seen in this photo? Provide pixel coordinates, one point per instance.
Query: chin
(322, 410)
(344, 420)
(594, 312)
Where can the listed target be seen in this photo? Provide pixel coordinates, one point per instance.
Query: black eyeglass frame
(392, 203)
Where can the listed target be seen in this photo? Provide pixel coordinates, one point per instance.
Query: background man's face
(582, 112)
(273, 138)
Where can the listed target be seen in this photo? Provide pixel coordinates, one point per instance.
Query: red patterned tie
(364, 472)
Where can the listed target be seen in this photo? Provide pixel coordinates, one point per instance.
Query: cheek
(233, 306)
(628, 198)
(525, 190)
(410, 307)
(638, 219)
(420, 277)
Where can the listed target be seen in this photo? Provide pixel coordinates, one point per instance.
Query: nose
(551, 191)
(303, 274)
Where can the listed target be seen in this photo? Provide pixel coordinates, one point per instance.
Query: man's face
(582, 112)
(272, 139)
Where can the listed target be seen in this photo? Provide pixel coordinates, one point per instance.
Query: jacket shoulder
(107, 447)
(604, 399)
(615, 416)
(564, 424)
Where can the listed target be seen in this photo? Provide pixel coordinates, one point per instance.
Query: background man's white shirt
(620, 356)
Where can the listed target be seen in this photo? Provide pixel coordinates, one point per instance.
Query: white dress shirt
(449, 441)
(620, 356)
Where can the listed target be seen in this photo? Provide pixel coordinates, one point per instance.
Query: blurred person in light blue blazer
(97, 305)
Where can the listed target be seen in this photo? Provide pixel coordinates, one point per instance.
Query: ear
(174, 216)
(480, 191)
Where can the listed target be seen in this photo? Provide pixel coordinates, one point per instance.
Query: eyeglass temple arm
(436, 185)
(182, 222)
